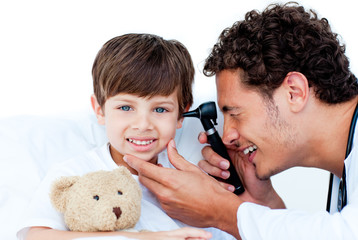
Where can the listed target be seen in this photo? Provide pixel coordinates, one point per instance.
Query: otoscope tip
(193, 113)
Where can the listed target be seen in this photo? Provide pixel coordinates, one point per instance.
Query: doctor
(287, 95)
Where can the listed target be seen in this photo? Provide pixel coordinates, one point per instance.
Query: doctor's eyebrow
(226, 109)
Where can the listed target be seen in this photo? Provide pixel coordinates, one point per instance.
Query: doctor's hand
(188, 194)
(256, 190)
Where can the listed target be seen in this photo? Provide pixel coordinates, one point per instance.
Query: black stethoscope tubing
(342, 194)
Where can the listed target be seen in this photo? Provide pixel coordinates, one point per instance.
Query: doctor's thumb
(172, 150)
(172, 144)
(134, 162)
(174, 157)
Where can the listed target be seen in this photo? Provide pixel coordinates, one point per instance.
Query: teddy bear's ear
(59, 190)
(122, 170)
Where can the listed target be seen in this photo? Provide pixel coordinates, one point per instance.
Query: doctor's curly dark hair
(282, 39)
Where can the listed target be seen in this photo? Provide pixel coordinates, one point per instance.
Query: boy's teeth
(138, 142)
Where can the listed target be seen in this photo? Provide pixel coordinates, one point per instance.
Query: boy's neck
(118, 159)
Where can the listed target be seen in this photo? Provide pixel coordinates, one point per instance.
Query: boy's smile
(139, 126)
(141, 144)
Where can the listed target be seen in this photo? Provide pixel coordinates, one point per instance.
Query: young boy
(142, 85)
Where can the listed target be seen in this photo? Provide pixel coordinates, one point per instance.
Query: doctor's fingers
(177, 160)
(162, 189)
(214, 159)
(256, 190)
(218, 173)
(171, 191)
(144, 168)
(203, 138)
(243, 166)
(207, 167)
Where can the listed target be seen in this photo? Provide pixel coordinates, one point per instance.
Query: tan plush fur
(89, 202)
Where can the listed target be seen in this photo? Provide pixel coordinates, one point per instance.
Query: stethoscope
(342, 192)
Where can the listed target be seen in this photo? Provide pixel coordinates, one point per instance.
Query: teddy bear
(98, 201)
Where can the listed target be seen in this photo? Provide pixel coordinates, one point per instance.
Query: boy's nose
(142, 122)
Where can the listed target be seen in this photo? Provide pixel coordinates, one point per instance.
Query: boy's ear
(297, 88)
(181, 119)
(97, 110)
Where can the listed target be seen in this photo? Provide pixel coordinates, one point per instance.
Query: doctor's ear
(97, 110)
(297, 88)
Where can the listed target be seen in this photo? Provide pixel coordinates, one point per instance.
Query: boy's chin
(147, 158)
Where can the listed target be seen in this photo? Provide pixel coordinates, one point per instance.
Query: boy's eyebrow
(131, 99)
(121, 99)
(165, 102)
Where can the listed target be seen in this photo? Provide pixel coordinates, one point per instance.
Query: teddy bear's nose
(117, 211)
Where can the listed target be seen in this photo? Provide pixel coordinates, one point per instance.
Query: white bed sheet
(29, 145)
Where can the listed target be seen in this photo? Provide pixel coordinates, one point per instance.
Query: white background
(47, 49)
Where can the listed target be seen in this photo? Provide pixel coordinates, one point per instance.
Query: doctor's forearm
(227, 217)
(227, 214)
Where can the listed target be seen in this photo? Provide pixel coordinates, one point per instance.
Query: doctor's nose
(230, 136)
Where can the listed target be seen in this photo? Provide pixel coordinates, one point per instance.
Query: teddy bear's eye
(96, 197)
(120, 193)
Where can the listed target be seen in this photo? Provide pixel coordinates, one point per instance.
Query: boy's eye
(125, 108)
(96, 197)
(160, 110)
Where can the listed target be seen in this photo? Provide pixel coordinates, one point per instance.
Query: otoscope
(206, 112)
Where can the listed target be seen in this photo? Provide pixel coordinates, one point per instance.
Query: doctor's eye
(160, 110)
(96, 197)
(120, 193)
(125, 108)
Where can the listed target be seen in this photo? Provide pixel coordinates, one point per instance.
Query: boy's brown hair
(145, 65)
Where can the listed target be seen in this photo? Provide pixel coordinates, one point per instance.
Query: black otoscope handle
(219, 147)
